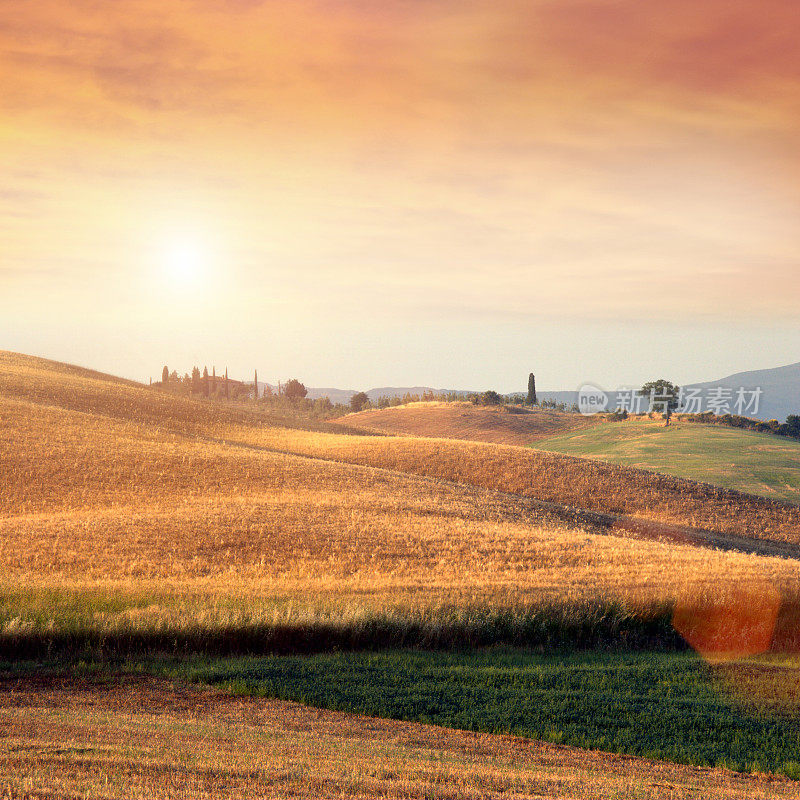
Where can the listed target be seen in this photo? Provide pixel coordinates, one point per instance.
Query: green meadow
(670, 706)
(748, 461)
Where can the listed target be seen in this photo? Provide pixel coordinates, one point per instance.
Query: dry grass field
(126, 512)
(549, 477)
(498, 424)
(193, 520)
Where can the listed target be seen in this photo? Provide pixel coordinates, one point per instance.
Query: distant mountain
(334, 395)
(399, 391)
(780, 389)
(780, 392)
(343, 395)
(567, 397)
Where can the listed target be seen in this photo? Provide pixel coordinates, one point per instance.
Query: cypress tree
(165, 375)
(255, 385)
(227, 392)
(532, 401)
(205, 381)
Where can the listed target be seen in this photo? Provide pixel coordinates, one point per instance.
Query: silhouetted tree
(205, 381)
(358, 401)
(490, 398)
(295, 390)
(165, 375)
(227, 390)
(195, 380)
(663, 396)
(531, 399)
(792, 426)
(255, 385)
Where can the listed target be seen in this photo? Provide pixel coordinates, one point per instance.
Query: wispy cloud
(594, 155)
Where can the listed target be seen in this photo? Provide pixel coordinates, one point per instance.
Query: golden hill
(203, 514)
(131, 518)
(577, 483)
(92, 497)
(64, 386)
(498, 424)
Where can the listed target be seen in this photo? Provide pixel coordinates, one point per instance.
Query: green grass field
(735, 459)
(665, 706)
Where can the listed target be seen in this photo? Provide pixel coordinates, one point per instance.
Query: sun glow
(184, 262)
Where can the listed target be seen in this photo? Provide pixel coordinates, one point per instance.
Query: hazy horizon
(246, 375)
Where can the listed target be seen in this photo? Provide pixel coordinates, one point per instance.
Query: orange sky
(403, 164)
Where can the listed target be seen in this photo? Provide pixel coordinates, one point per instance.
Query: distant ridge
(780, 391)
(343, 395)
(780, 385)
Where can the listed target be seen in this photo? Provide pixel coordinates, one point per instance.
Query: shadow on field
(544, 627)
(752, 620)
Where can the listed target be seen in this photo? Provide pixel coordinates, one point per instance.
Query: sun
(184, 261)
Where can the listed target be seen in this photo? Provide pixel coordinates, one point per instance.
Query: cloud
(595, 154)
(497, 74)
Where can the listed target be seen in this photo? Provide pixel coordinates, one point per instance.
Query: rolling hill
(113, 485)
(730, 457)
(135, 524)
(102, 479)
(498, 424)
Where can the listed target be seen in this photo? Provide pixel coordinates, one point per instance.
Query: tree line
(204, 384)
(211, 385)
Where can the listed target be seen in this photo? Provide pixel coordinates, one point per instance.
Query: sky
(365, 193)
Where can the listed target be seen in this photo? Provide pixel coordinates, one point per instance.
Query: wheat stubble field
(134, 522)
(462, 420)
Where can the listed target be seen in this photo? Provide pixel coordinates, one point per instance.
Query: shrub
(323, 405)
(359, 401)
(490, 398)
(294, 390)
